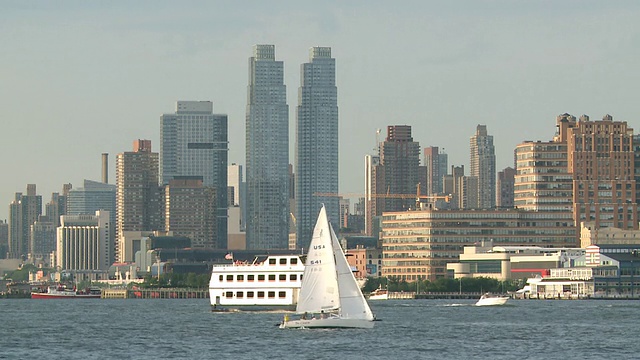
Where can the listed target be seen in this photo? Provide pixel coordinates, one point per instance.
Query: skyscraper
(435, 162)
(138, 197)
(400, 157)
(194, 142)
(483, 166)
(190, 210)
(267, 152)
(23, 212)
(316, 143)
(93, 196)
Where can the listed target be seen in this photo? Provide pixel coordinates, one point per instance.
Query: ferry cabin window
(221, 277)
(282, 277)
(261, 277)
(228, 294)
(283, 261)
(293, 277)
(240, 294)
(294, 261)
(272, 261)
(272, 294)
(282, 294)
(260, 294)
(272, 277)
(250, 294)
(240, 278)
(250, 277)
(229, 277)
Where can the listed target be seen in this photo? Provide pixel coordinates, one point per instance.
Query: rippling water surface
(419, 329)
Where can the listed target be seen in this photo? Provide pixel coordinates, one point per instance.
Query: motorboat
(489, 299)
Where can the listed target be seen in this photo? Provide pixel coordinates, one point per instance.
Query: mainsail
(319, 290)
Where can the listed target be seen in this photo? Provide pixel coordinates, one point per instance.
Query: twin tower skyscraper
(268, 186)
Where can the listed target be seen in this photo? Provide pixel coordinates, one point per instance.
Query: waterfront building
(138, 196)
(83, 243)
(419, 244)
(267, 152)
(483, 166)
(511, 262)
(365, 261)
(504, 195)
(190, 210)
(316, 143)
(194, 142)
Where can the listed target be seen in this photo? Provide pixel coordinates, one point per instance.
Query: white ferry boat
(270, 282)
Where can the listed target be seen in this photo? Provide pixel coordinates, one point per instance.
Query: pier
(176, 293)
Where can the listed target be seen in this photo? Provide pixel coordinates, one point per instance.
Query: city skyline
(80, 88)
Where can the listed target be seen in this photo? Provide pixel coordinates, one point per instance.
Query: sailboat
(329, 295)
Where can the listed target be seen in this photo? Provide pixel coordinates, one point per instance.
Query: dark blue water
(419, 329)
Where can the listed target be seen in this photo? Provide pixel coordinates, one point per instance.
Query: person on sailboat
(322, 315)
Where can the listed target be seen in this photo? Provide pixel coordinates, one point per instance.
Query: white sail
(353, 305)
(319, 289)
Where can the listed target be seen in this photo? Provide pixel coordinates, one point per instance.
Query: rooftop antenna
(377, 141)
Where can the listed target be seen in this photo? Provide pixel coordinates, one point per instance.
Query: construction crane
(419, 197)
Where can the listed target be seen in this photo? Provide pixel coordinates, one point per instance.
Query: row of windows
(261, 277)
(252, 294)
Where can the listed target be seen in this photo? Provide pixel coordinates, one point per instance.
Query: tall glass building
(194, 142)
(267, 152)
(316, 144)
(483, 166)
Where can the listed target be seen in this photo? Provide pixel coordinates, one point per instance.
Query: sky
(82, 78)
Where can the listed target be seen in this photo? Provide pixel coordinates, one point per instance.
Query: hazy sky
(79, 78)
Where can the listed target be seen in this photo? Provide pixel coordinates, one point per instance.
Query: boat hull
(53, 296)
(493, 301)
(379, 297)
(327, 323)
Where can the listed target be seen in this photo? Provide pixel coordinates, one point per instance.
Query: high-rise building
(602, 161)
(483, 166)
(194, 142)
(372, 187)
(93, 196)
(504, 194)
(267, 152)
(23, 212)
(189, 210)
(4, 239)
(58, 205)
(43, 240)
(138, 196)
(400, 159)
(316, 143)
(435, 164)
(83, 242)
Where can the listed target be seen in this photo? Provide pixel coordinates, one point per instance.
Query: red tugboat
(62, 292)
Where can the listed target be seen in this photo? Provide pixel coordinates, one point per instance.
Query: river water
(418, 329)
